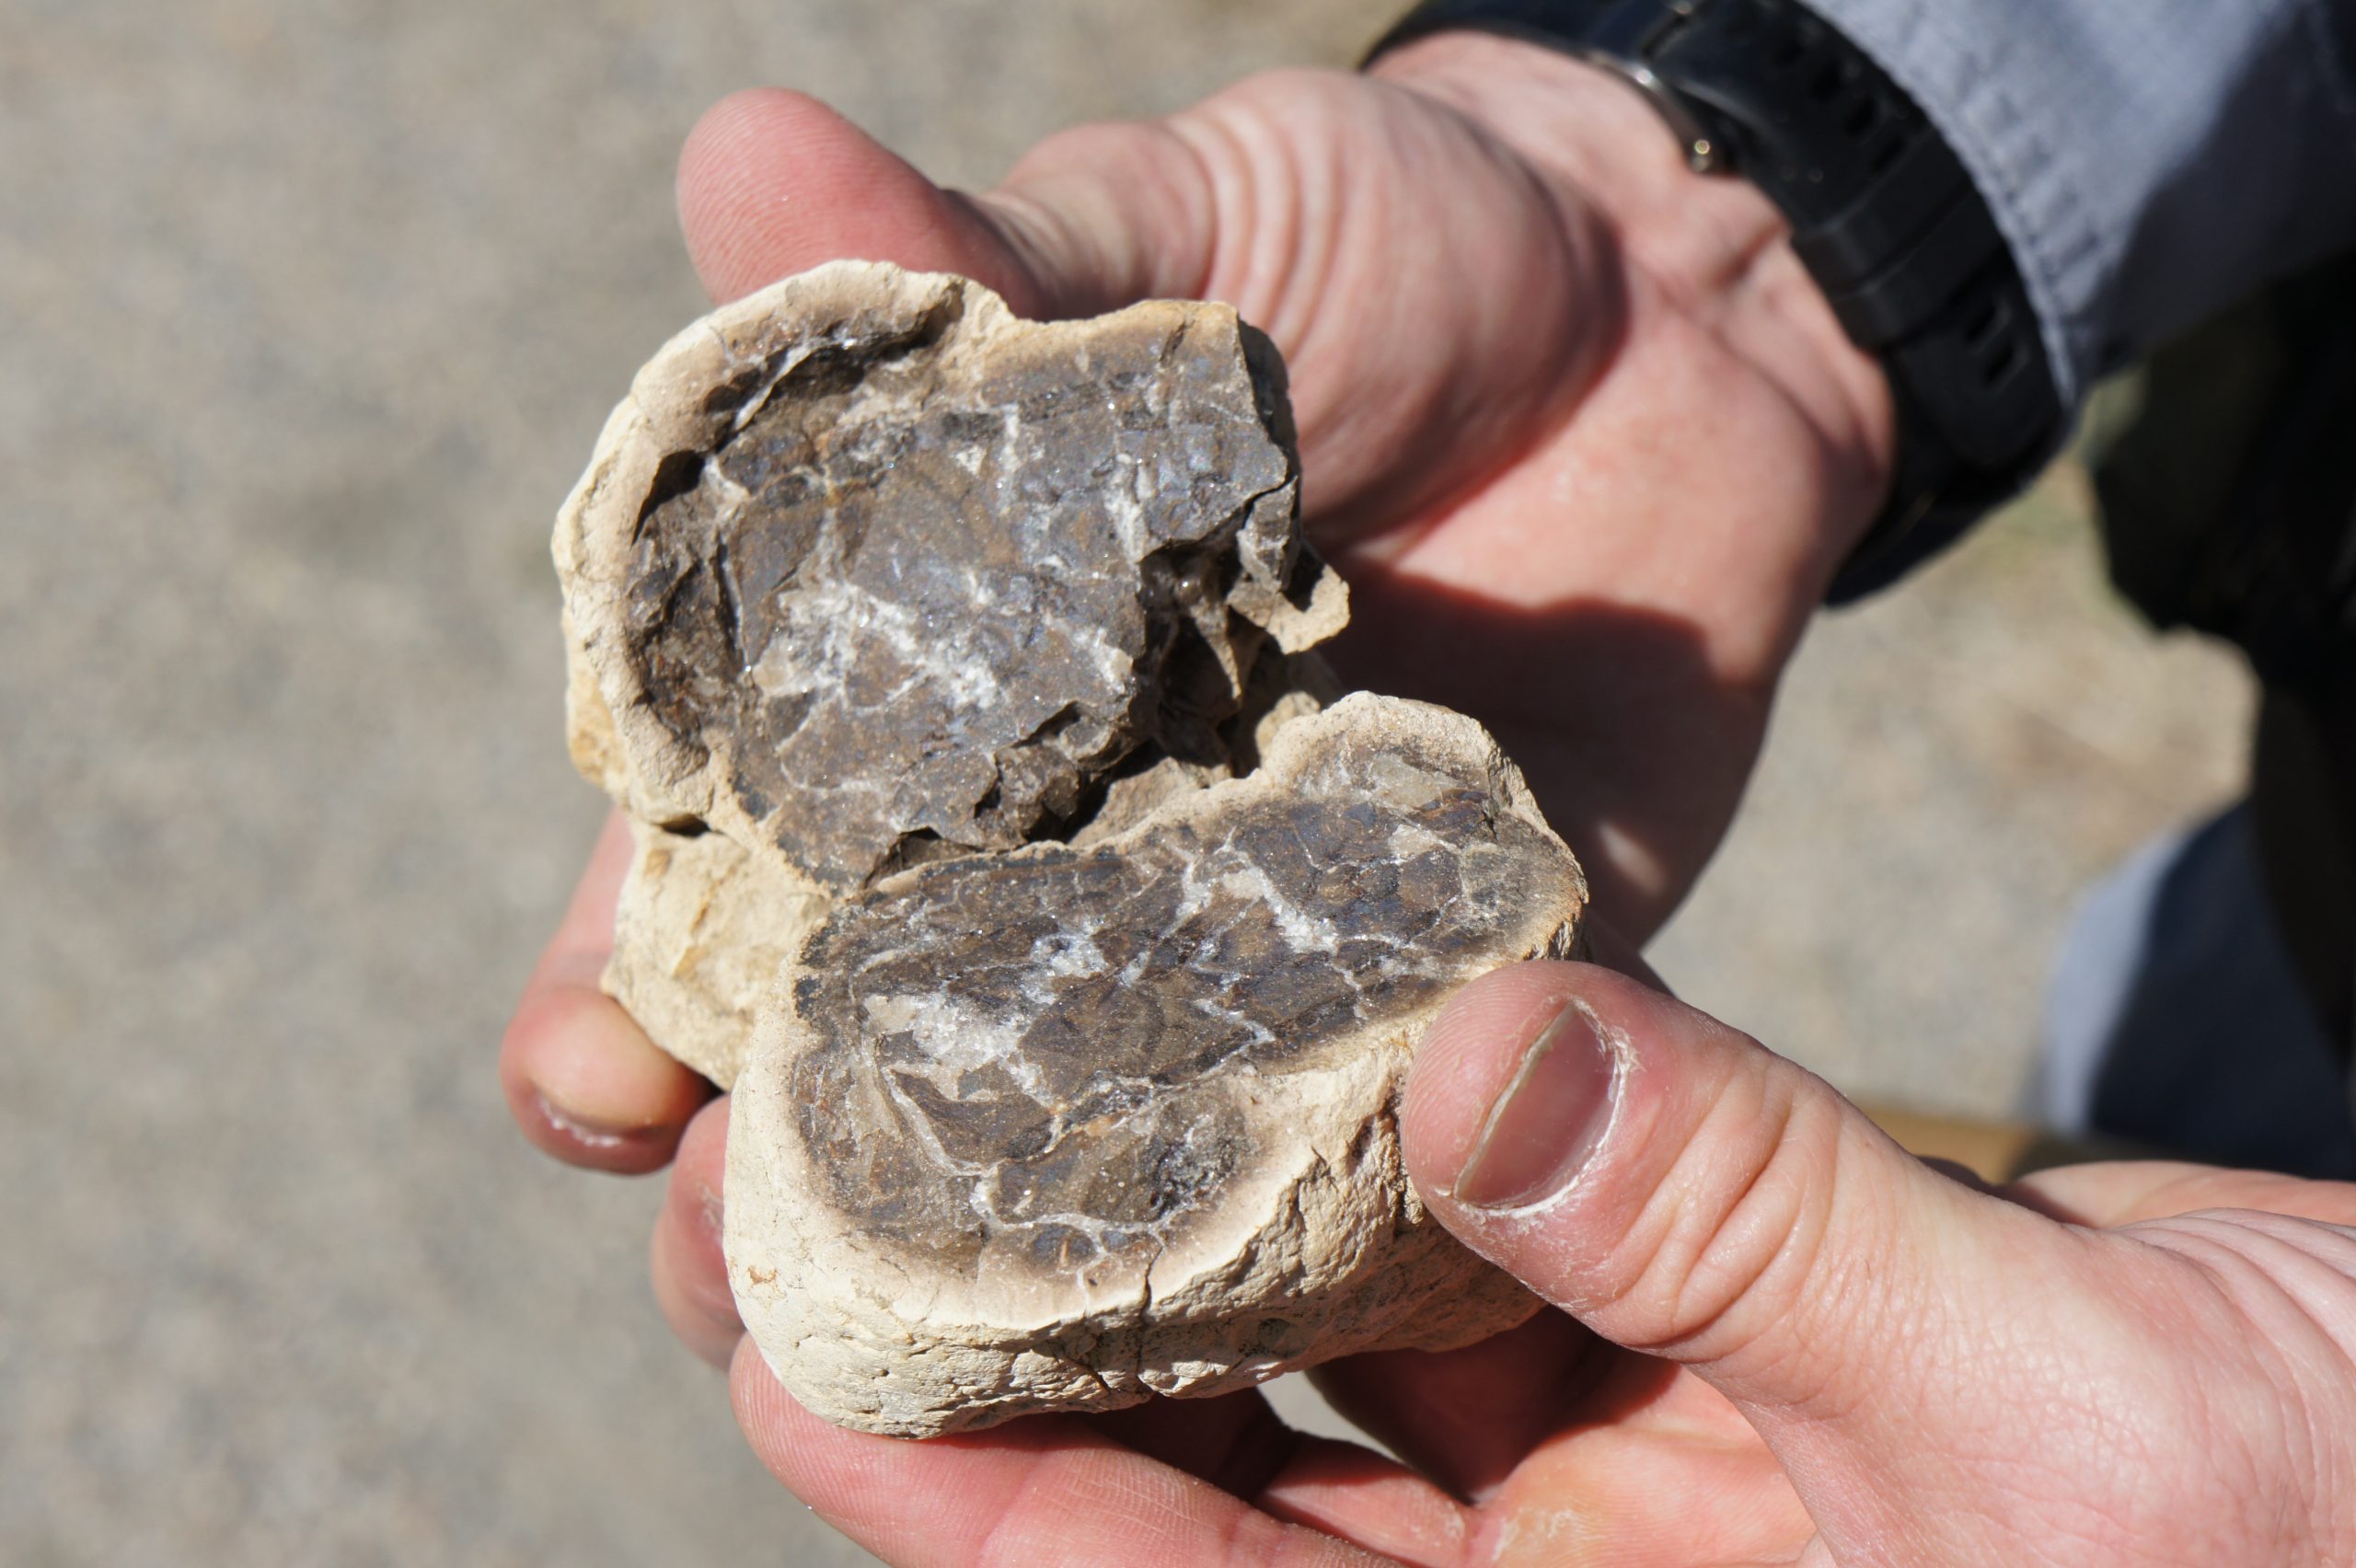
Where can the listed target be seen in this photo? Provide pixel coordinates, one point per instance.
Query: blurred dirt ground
(308, 315)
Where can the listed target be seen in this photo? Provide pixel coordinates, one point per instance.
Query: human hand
(1780, 1339)
(1504, 304)
(1503, 300)
(1576, 425)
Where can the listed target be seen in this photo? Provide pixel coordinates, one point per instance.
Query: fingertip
(685, 1259)
(794, 1446)
(1468, 1417)
(586, 1086)
(753, 1390)
(1469, 1053)
(772, 183)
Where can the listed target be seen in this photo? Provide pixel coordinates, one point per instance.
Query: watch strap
(1884, 216)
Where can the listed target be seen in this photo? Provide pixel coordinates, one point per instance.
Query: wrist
(1714, 251)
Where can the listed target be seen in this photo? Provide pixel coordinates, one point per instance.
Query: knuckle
(1284, 91)
(1085, 146)
(1732, 1245)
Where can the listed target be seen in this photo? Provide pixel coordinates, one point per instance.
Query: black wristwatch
(1883, 215)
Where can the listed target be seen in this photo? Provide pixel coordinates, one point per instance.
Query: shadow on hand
(1636, 749)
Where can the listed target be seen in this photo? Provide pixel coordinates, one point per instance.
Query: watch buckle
(1623, 43)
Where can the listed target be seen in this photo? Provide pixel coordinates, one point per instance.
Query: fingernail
(710, 1214)
(1545, 1124)
(591, 1133)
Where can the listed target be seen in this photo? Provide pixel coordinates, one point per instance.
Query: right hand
(1780, 1339)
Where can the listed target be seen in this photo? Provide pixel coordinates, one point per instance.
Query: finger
(581, 1079)
(1354, 1496)
(1434, 303)
(1687, 1193)
(773, 182)
(1236, 1442)
(1467, 1417)
(690, 1274)
(1238, 1445)
(1658, 1467)
(2116, 1192)
(1046, 1490)
(1621, 1443)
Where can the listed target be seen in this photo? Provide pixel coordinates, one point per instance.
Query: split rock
(1003, 841)
(1065, 1127)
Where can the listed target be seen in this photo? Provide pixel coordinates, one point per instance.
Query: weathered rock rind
(699, 931)
(1133, 1132)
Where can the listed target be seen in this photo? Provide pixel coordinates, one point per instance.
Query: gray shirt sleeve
(2151, 161)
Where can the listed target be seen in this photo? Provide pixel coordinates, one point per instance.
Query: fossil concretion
(1002, 843)
(1054, 1129)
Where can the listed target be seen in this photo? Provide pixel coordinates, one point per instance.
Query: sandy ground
(308, 315)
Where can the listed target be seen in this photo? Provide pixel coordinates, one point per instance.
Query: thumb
(772, 183)
(1685, 1192)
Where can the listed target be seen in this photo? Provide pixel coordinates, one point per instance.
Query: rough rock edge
(700, 930)
(1343, 1228)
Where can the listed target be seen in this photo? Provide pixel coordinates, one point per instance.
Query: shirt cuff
(2149, 164)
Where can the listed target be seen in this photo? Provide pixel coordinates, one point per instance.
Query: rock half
(1065, 1127)
(866, 569)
